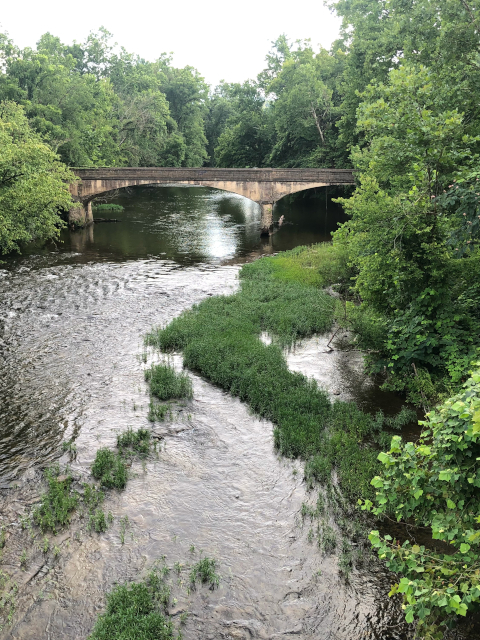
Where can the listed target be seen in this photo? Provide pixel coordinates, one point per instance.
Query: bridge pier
(80, 215)
(266, 225)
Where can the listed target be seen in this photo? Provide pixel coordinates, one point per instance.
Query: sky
(223, 40)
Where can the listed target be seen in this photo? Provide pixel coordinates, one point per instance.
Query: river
(73, 318)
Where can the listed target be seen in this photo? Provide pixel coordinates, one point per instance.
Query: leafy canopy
(33, 183)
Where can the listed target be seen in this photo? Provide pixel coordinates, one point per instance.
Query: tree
(398, 232)
(147, 134)
(99, 106)
(72, 111)
(246, 139)
(221, 107)
(33, 183)
(187, 94)
(381, 35)
(304, 96)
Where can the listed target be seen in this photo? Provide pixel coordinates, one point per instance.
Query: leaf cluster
(435, 483)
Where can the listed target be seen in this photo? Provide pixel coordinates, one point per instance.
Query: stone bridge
(264, 186)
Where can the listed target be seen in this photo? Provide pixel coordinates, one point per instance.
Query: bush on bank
(435, 483)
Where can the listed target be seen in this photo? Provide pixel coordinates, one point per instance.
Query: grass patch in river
(140, 611)
(58, 502)
(157, 411)
(317, 265)
(107, 207)
(8, 597)
(167, 384)
(220, 339)
(133, 614)
(134, 442)
(205, 571)
(98, 521)
(110, 469)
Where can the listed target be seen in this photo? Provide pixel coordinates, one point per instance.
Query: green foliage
(318, 265)
(33, 183)
(327, 540)
(421, 311)
(92, 496)
(435, 483)
(98, 521)
(220, 339)
(8, 593)
(369, 326)
(245, 138)
(286, 118)
(158, 411)
(124, 523)
(135, 442)
(166, 384)
(186, 93)
(3, 537)
(132, 615)
(96, 107)
(205, 571)
(92, 499)
(58, 503)
(110, 469)
(109, 206)
(461, 202)
(221, 107)
(305, 108)
(380, 36)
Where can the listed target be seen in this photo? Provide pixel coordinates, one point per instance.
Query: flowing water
(72, 323)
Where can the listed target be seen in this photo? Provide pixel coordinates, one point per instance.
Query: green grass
(99, 522)
(134, 442)
(158, 411)
(57, 503)
(3, 537)
(92, 496)
(317, 265)
(139, 611)
(8, 593)
(110, 468)
(132, 614)
(167, 384)
(220, 340)
(107, 207)
(204, 571)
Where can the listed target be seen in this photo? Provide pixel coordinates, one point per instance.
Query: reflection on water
(192, 224)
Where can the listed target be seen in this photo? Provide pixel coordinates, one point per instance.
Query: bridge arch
(263, 186)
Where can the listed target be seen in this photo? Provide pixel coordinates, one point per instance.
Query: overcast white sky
(223, 40)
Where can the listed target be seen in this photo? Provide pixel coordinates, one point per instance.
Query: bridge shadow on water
(201, 224)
